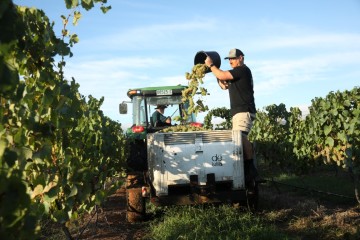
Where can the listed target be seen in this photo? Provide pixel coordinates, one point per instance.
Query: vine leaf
(329, 141)
(38, 190)
(342, 137)
(73, 192)
(105, 9)
(327, 130)
(71, 3)
(76, 18)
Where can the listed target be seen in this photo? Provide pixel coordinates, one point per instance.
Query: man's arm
(219, 74)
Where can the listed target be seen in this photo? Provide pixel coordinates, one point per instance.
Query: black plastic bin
(202, 55)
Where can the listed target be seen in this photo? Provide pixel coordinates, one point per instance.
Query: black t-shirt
(241, 90)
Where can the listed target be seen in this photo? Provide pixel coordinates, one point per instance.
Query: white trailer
(195, 167)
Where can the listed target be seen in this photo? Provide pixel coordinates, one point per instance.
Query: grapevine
(218, 112)
(271, 134)
(57, 149)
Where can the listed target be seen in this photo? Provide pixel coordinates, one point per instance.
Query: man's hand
(208, 61)
(223, 84)
(168, 120)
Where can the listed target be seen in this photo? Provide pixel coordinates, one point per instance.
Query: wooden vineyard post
(135, 202)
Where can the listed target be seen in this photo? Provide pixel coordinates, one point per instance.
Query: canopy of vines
(57, 149)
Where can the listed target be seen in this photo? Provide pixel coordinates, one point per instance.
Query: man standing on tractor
(239, 82)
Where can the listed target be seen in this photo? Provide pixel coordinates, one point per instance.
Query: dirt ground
(110, 222)
(303, 213)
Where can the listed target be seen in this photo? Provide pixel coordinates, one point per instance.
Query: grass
(282, 217)
(211, 222)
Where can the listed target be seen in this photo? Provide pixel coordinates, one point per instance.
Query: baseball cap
(234, 53)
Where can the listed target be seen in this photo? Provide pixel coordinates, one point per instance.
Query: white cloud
(330, 41)
(152, 36)
(277, 74)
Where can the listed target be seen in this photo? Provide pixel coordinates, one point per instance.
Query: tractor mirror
(123, 108)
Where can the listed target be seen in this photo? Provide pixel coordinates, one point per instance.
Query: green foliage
(87, 4)
(330, 133)
(271, 134)
(334, 124)
(223, 113)
(57, 149)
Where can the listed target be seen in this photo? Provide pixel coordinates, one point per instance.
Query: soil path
(110, 221)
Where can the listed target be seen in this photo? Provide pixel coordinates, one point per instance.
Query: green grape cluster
(182, 128)
(195, 79)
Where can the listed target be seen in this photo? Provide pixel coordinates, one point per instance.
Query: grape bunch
(182, 128)
(195, 79)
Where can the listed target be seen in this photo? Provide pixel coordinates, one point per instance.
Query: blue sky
(297, 50)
